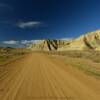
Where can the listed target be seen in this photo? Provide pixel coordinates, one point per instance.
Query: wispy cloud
(26, 42)
(29, 42)
(21, 42)
(29, 24)
(10, 42)
(5, 6)
(67, 39)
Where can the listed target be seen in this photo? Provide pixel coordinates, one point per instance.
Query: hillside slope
(85, 42)
(88, 41)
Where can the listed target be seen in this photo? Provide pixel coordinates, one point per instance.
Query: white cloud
(67, 39)
(28, 24)
(22, 42)
(27, 42)
(18, 43)
(10, 42)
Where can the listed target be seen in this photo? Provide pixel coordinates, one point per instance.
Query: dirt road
(38, 76)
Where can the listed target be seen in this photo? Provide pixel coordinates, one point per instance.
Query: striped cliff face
(48, 45)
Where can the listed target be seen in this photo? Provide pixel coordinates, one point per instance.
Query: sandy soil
(38, 76)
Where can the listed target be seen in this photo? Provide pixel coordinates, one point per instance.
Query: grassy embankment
(9, 54)
(86, 61)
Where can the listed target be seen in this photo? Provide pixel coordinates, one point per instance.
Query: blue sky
(27, 20)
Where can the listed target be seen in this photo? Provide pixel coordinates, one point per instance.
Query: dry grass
(87, 61)
(8, 54)
(91, 55)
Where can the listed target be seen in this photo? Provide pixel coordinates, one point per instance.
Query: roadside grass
(85, 65)
(91, 55)
(86, 61)
(8, 54)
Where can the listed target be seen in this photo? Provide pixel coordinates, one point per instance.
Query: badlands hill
(48, 45)
(88, 41)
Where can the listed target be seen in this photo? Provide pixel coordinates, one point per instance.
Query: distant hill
(89, 41)
(48, 45)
